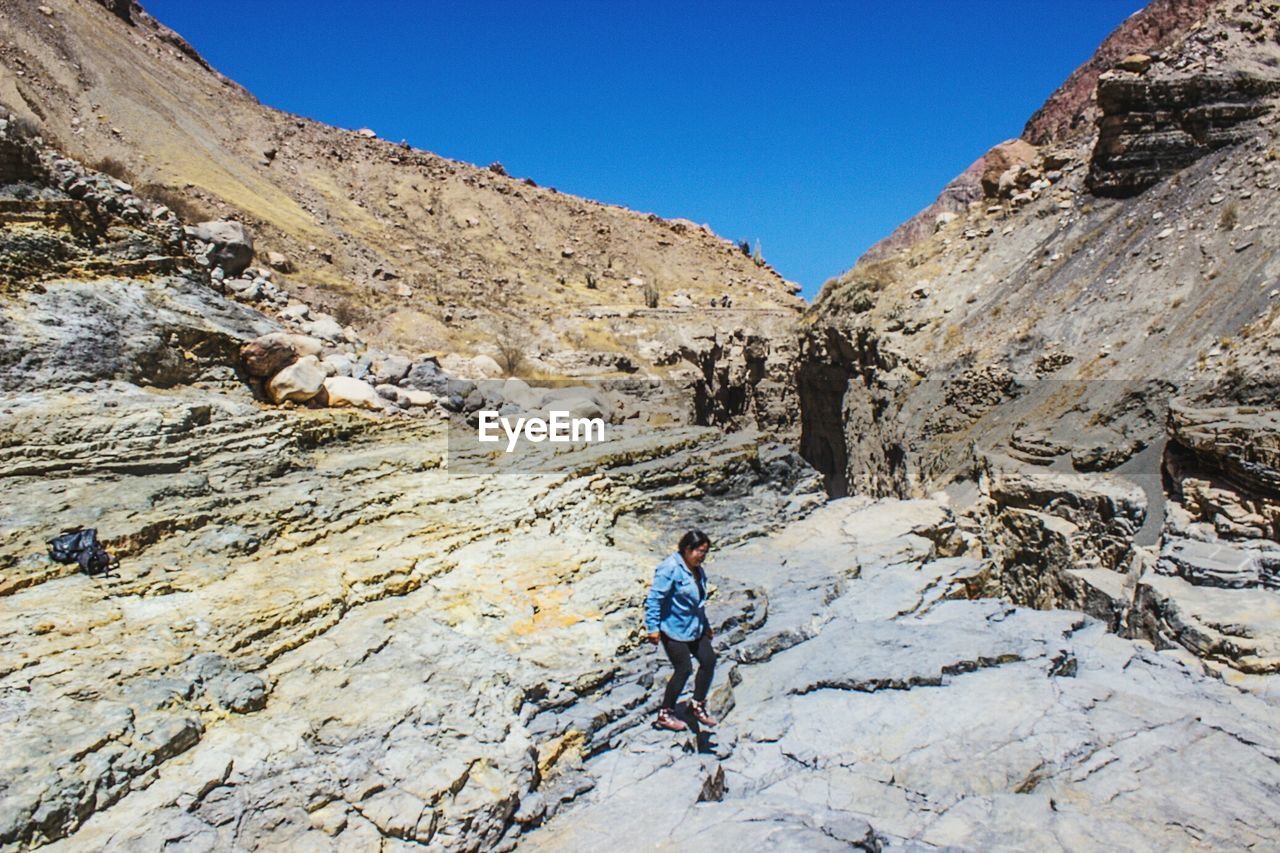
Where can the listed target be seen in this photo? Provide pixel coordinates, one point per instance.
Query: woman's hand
(653, 638)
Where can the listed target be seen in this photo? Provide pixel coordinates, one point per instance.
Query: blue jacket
(674, 606)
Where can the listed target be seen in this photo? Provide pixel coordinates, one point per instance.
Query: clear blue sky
(814, 127)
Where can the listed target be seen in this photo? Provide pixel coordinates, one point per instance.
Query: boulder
(279, 262)
(356, 393)
(324, 326)
(338, 364)
(461, 387)
(580, 402)
(295, 311)
(267, 355)
(585, 407)
(426, 376)
(391, 369)
(232, 245)
(484, 367)
(298, 382)
(416, 399)
(1000, 159)
(518, 392)
(1138, 63)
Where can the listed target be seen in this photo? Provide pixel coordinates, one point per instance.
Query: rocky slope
(875, 708)
(419, 253)
(1079, 349)
(301, 585)
(338, 625)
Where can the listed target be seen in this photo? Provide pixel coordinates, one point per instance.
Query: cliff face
(415, 251)
(1072, 333)
(1150, 129)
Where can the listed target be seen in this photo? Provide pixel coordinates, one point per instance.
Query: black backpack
(82, 547)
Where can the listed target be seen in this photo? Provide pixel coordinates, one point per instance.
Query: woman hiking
(674, 613)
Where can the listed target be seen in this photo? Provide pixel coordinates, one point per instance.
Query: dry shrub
(23, 129)
(1230, 217)
(651, 295)
(349, 313)
(512, 342)
(187, 209)
(113, 167)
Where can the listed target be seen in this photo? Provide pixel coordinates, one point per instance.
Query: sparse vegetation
(348, 313)
(1230, 217)
(512, 341)
(187, 209)
(952, 337)
(651, 294)
(862, 302)
(744, 246)
(113, 167)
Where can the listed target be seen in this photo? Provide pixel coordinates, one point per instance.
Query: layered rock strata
(286, 604)
(1080, 352)
(860, 715)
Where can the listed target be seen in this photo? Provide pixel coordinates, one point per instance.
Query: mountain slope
(1077, 343)
(414, 249)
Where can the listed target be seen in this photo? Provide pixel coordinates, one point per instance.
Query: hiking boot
(700, 714)
(667, 719)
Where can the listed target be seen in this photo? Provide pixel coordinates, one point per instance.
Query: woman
(675, 613)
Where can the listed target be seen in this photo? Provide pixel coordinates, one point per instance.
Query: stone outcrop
(1152, 128)
(338, 624)
(860, 715)
(1082, 353)
(298, 586)
(1072, 110)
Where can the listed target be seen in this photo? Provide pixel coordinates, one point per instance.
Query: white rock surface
(298, 382)
(356, 393)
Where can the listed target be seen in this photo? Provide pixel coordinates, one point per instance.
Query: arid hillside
(1077, 343)
(416, 251)
(333, 626)
(1129, 235)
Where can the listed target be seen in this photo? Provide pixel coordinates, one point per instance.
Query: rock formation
(1079, 348)
(1047, 617)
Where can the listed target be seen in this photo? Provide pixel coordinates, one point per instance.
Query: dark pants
(681, 652)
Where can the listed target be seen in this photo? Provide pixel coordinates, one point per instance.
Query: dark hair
(693, 539)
